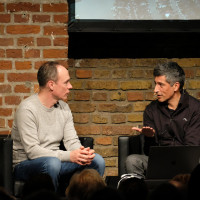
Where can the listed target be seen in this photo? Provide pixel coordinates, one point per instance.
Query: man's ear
(176, 86)
(50, 85)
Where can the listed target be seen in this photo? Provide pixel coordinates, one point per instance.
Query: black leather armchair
(133, 145)
(128, 145)
(6, 172)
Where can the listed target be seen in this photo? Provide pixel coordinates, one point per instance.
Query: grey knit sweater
(38, 130)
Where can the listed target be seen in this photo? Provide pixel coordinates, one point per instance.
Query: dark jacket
(180, 127)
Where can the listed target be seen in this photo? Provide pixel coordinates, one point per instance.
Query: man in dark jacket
(173, 119)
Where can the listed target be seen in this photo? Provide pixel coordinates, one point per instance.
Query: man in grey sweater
(41, 122)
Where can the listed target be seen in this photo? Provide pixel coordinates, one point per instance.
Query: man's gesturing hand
(146, 130)
(82, 156)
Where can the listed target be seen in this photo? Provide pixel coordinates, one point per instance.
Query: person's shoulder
(194, 103)
(29, 101)
(152, 105)
(194, 100)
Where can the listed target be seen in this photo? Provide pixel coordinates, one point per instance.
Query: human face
(62, 86)
(163, 90)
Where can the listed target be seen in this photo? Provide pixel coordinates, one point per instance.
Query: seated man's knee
(131, 159)
(100, 164)
(53, 165)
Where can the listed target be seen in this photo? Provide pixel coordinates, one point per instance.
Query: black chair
(6, 172)
(128, 145)
(133, 145)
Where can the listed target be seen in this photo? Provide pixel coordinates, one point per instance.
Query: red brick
(39, 63)
(60, 7)
(23, 6)
(111, 171)
(21, 65)
(5, 112)
(4, 18)
(5, 88)
(32, 53)
(2, 78)
(23, 29)
(2, 53)
(61, 18)
(82, 107)
(25, 41)
(10, 122)
(55, 53)
(100, 85)
(150, 96)
(108, 151)
(117, 130)
(6, 41)
(88, 130)
(21, 77)
(13, 53)
(12, 100)
(60, 41)
(22, 89)
(82, 96)
(104, 140)
(2, 30)
(41, 18)
(118, 119)
(189, 73)
(1, 100)
(81, 118)
(2, 123)
(99, 96)
(55, 30)
(5, 132)
(21, 18)
(80, 73)
(43, 42)
(135, 96)
(5, 65)
(63, 63)
(1, 7)
(99, 119)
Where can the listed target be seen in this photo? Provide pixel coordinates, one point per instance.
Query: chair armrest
(128, 145)
(6, 178)
(123, 152)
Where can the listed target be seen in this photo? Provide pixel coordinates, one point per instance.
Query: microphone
(56, 104)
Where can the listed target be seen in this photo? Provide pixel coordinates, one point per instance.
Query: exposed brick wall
(108, 96)
(31, 32)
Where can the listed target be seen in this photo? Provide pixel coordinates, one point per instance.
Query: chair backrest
(136, 144)
(6, 179)
(85, 141)
(128, 145)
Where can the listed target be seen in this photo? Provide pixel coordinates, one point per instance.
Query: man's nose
(156, 88)
(70, 86)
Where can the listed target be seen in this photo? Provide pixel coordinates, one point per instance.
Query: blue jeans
(54, 168)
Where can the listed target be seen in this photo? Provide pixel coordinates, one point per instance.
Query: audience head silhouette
(194, 184)
(83, 184)
(133, 187)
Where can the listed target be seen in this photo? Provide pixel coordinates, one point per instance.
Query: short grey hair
(172, 71)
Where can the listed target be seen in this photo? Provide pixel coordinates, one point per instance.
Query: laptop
(167, 161)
